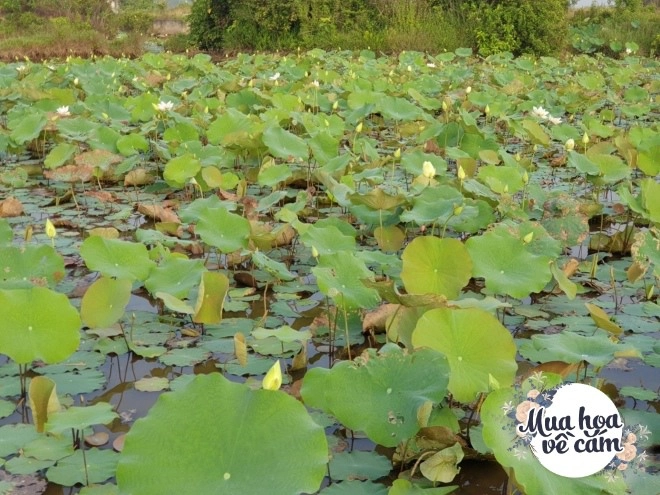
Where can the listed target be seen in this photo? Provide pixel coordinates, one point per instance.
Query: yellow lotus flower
(273, 379)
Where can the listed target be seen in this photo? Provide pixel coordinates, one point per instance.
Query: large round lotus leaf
(216, 436)
(530, 476)
(436, 266)
(477, 347)
(434, 205)
(224, 230)
(116, 258)
(507, 265)
(179, 170)
(379, 393)
(104, 302)
(38, 324)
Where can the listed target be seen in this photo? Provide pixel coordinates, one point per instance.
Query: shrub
(208, 21)
(519, 26)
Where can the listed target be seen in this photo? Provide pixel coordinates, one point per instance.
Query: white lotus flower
(63, 111)
(21, 69)
(431, 65)
(315, 83)
(468, 90)
(554, 120)
(428, 170)
(275, 76)
(540, 112)
(163, 106)
(569, 144)
(628, 51)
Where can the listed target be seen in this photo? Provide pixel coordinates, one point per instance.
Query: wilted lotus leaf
(158, 212)
(443, 465)
(71, 173)
(377, 199)
(97, 439)
(101, 160)
(11, 207)
(233, 441)
(380, 392)
(138, 177)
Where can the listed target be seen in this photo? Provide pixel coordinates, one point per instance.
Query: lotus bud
(535, 148)
(461, 173)
(585, 138)
(487, 110)
(506, 189)
(335, 105)
(468, 90)
(528, 238)
(458, 210)
(569, 144)
(525, 178)
(76, 81)
(397, 153)
(444, 106)
(518, 156)
(51, 231)
(273, 379)
(428, 170)
(358, 128)
(409, 69)
(315, 252)
(206, 109)
(391, 72)
(326, 122)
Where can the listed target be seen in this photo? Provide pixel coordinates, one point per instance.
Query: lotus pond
(326, 272)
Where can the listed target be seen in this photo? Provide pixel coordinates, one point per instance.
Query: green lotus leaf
(27, 128)
(434, 205)
(405, 487)
(529, 475)
(175, 275)
(359, 465)
(104, 301)
(275, 268)
(354, 487)
(327, 239)
(21, 268)
(283, 144)
(571, 347)
(507, 263)
(437, 266)
(79, 418)
(22, 465)
(399, 109)
(116, 258)
(502, 179)
(178, 171)
(234, 440)
(379, 393)
(224, 230)
(340, 275)
(536, 132)
(38, 324)
(95, 466)
(132, 144)
(59, 155)
(477, 347)
(15, 437)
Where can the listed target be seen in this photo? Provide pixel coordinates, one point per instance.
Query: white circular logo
(576, 430)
